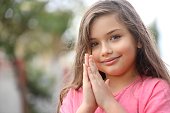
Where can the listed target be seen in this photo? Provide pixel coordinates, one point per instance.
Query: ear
(139, 45)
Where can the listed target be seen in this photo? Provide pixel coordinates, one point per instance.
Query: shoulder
(71, 101)
(149, 87)
(73, 96)
(154, 89)
(155, 83)
(154, 95)
(74, 92)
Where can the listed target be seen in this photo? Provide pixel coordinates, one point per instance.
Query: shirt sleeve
(159, 100)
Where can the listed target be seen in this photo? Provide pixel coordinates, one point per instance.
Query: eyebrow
(108, 33)
(112, 31)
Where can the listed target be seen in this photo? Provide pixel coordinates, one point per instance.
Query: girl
(117, 68)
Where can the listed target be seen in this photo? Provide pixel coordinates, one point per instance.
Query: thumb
(107, 82)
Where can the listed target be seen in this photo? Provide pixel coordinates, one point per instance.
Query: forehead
(105, 23)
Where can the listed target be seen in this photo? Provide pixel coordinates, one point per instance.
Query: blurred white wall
(158, 10)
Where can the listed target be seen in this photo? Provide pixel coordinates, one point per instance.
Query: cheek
(95, 53)
(96, 57)
(129, 52)
(127, 47)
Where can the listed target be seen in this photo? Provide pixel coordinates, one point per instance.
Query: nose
(106, 49)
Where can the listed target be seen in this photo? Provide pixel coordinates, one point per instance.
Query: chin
(113, 73)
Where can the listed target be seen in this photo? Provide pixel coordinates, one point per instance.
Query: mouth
(110, 61)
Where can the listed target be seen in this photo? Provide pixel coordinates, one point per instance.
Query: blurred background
(37, 40)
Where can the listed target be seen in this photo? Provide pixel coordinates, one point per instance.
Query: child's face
(113, 46)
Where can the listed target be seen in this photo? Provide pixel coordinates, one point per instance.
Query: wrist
(85, 108)
(112, 106)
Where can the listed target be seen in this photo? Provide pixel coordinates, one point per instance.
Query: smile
(110, 61)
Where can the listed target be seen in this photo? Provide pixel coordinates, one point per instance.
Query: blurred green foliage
(54, 22)
(40, 84)
(24, 17)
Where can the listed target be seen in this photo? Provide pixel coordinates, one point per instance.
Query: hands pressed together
(96, 91)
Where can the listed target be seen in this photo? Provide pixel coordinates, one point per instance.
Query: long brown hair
(148, 62)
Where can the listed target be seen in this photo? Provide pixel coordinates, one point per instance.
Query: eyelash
(114, 37)
(93, 44)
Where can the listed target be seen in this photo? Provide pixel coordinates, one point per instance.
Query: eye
(93, 44)
(114, 37)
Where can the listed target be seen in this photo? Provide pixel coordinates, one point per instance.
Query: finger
(92, 78)
(86, 59)
(91, 75)
(92, 65)
(107, 82)
(85, 77)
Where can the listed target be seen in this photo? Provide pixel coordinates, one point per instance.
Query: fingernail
(91, 57)
(86, 54)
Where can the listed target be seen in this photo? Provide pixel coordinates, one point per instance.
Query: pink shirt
(144, 95)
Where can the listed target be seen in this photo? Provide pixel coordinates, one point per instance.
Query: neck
(118, 82)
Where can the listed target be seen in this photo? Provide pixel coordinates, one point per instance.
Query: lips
(110, 61)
